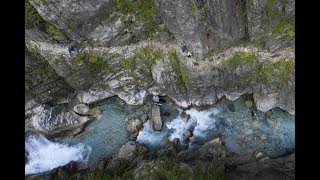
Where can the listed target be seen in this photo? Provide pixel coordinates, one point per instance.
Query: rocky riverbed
(129, 102)
(247, 133)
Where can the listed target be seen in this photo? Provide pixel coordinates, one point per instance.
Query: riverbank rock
(72, 170)
(211, 155)
(186, 136)
(156, 119)
(249, 132)
(134, 126)
(95, 112)
(258, 154)
(81, 109)
(281, 168)
(271, 122)
(249, 103)
(144, 117)
(263, 136)
(185, 116)
(56, 121)
(131, 150)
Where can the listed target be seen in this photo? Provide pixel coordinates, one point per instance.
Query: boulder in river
(271, 122)
(81, 109)
(131, 150)
(95, 112)
(134, 125)
(156, 119)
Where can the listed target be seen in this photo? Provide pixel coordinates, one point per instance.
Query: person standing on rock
(71, 49)
(184, 48)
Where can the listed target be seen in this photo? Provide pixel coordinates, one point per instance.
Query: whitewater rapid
(44, 155)
(202, 122)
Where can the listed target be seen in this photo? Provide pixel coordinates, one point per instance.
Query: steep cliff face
(133, 49)
(42, 83)
(205, 25)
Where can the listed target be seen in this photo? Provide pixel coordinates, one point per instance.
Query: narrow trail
(62, 50)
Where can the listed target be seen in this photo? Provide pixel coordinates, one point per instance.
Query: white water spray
(45, 155)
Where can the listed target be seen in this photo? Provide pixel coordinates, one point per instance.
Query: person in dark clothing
(70, 49)
(184, 48)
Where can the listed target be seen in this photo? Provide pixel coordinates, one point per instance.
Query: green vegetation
(149, 56)
(270, 3)
(97, 175)
(239, 59)
(93, 64)
(169, 170)
(193, 9)
(42, 68)
(144, 10)
(106, 15)
(266, 70)
(276, 23)
(202, 14)
(280, 69)
(175, 65)
(210, 175)
(32, 17)
(103, 175)
(286, 28)
(54, 31)
(128, 63)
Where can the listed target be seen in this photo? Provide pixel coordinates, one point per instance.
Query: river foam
(44, 155)
(201, 122)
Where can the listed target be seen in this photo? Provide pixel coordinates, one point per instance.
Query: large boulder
(131, 150)
(212, 155)
(281, 168)
(134, 125)
(156, 119)
(129, 154)
(57, 120)
(81, 109)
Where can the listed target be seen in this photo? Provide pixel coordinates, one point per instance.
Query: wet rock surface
(281, 168)
(237, 47)
(156, 119)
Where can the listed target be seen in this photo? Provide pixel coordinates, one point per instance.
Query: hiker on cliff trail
(71, 49)
(184, 48)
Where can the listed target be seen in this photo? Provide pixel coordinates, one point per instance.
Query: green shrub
(193, 9)
(210, 175)
(282, 66)
(239, 58)
(286, 28)
(97, 175)
(93, 64)
(54, 31)
(128, 63)
(149, 56)
(144, 10)
(175, 65)
(32, 17)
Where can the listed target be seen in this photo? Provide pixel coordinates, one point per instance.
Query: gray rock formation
(56, 120)
(42, 83)
(205, 25)
(156, 119)
(281, 168)
(238, 47)
(134, 125)
(81, 109)
(131, 150)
